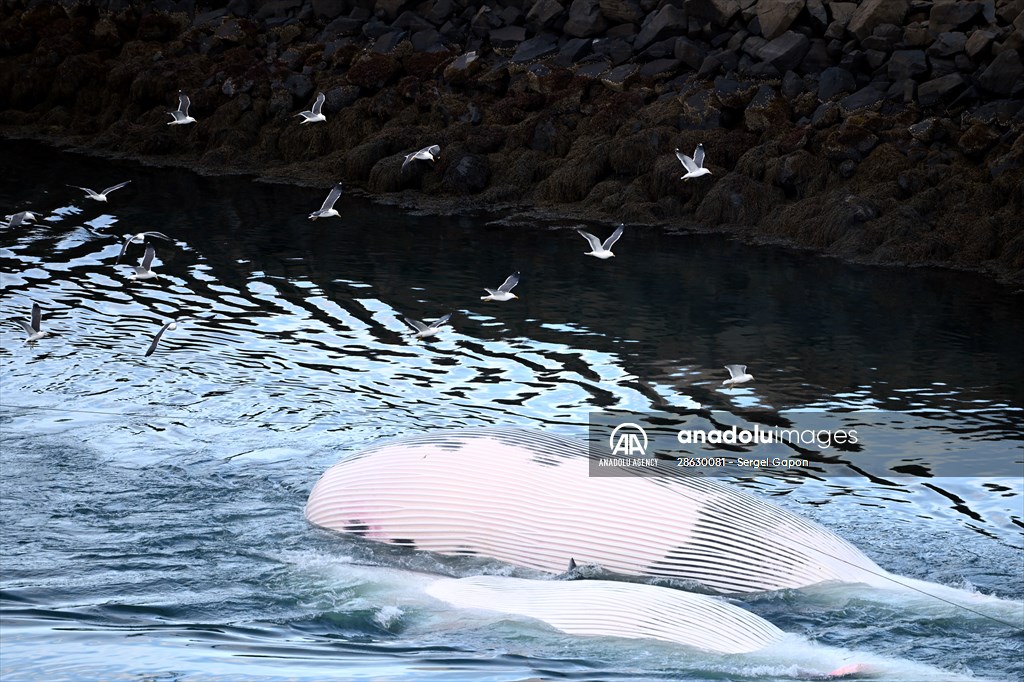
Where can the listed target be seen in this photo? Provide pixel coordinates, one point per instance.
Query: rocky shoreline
(885, 131)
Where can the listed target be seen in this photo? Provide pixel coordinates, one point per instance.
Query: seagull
(695, 166)
(33, 330)
(100, 196)
(181, 116)
(19, 218)
(172, 325)
(504, 292)
(599, 250)
(737, 375)
(144, 271)
(138, 239)
(314, 116)
(426, 154)
(327, 210)
(424, 330)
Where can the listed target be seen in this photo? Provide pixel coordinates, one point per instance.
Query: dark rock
(875, 58)
(927, 130)
(691, 53)
(835, 81)
(871, 13)
(427, 40)
(938, 89)
(907, 64)
(660, 68)
(462, 67)
(543, 14)
(621, 11)
(330, 9)
(978, 43)
(792, 85)
(592, 69)
(775, 17)
(817, 58)
(825, 115)
(388, 42)
(440, 11)
(618, 50)
(411, 21)
(758, 116)
(818, 13)
(507, 36)
(916, 35)
(999, 111)
(469, 175)
(659, 50)
(573, 51)
(585, 19)
(620, 76)
(339, 97)
(1003, 73)
(847, 168)
(947, 44)
(535, 47)
(942, 66)
(660, 24)
(719, 12)
(948, 15)
(718, 61)
(786, 51)
(978, 139)
(864, 98)
(300, 85)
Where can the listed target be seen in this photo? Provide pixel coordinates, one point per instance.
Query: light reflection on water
(152, 506)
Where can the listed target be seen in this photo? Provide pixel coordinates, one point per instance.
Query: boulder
(535, 47)
(776, 16)
(1003, 73)
(978, 42)
(872, 13)
(948, 15)
(621, 11)
(834, 81)
(718, 12)
(939, 89)
(786, 51)
(469, 175)
(585, 19)
(689, 52)
(907, 64)
(543, 14)
(666, 21)
(948, 44)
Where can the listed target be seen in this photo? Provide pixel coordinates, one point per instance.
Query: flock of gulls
(694, 167)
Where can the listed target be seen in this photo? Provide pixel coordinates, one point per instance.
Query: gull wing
(37, 317)
(183, 104)
(595, 243)
(318, 104)
(415, 324)
(86, 190)
(124, 247)
(433, 150)
(698, 155)
(25, 325)
(408, 158)
(736, 370)
(159, 235)
(147, 260)
(507, 285)
(118, 186)
(614, 238)
(156, 339)
(15, 219)
(687, 162)
(440, 321)
(331, 198)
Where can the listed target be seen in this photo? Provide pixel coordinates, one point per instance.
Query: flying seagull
(504, 292)
(695, 166)
(19, 218)
(424, 330)
(599, 250)
(172, 325)
(327, 210)
(138, 239)
(737, 375)
(145, 270)
(100, 196)
(314, 116)
(426, 154)
(181, 116)
(33, 330)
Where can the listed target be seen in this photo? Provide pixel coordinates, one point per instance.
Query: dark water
(152, 507)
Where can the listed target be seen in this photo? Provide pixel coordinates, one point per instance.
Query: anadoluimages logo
(628, 440)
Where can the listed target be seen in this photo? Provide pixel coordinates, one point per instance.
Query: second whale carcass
(528, 499)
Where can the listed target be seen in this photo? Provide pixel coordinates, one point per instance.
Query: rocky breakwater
(879, 130)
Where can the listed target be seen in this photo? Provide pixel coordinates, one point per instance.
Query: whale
(527, 498)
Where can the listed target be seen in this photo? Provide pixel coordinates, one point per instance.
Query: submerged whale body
(527, 499)
(615, 609)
